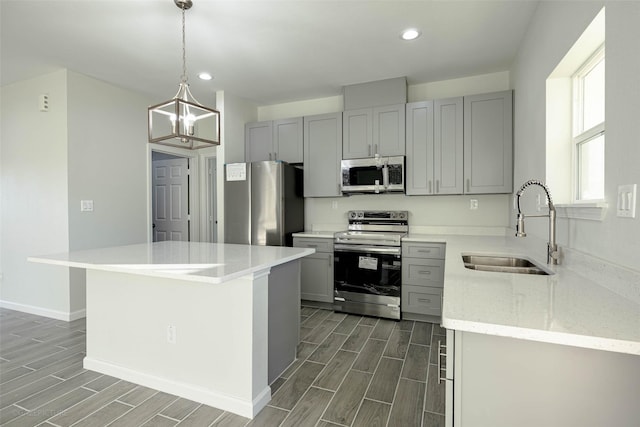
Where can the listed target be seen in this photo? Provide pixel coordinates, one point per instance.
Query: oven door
(367, 273)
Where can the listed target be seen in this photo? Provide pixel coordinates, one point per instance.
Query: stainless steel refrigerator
(263, 203)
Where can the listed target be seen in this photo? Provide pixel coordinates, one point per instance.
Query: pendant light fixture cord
(184, 49)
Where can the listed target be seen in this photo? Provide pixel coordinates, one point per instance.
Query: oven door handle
(364, 249)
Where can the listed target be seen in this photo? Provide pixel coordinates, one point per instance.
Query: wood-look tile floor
(351, 371)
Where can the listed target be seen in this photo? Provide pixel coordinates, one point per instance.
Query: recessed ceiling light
(410, 34)
(205, 76)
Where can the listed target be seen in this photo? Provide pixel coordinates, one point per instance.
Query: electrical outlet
(626, 203)
(473, 204)
(171, 334)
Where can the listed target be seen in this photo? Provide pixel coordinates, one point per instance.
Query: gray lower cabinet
(322, 155)
(488, 143)
(316, 276)
(504, 382)
(422, 280)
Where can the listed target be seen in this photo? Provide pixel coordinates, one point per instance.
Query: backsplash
(623, 281)
(330, 213)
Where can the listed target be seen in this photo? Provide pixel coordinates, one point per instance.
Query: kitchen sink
(502, 264)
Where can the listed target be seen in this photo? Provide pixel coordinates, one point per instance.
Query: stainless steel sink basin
(502, 264)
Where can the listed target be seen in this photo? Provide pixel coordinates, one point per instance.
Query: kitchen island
(213, 323)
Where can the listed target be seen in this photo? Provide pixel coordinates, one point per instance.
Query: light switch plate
(86, 205)
(626, 203)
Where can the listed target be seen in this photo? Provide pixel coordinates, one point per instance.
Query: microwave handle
(385, 176)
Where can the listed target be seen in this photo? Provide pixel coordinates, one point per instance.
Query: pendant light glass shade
(182, 122)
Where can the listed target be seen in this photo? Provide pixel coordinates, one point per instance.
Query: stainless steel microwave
(373, 175)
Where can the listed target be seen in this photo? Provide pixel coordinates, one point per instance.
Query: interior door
(171, 199)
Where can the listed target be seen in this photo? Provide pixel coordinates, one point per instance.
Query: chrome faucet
(553, 254)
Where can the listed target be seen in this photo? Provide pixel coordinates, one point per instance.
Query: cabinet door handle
(269, 156)
(369, 150)
(275, 156)
(427, 300)
(424, 251)
(424, 272)
(375, 149)
(440, 367)
(437, 186)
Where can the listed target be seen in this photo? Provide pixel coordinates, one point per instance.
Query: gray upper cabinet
(389, 130)
(357, 133)
(488, 143)
(419, 161)
(434, 144)
(274, 140)
(376, 130)
(322, 154)
(448, 143)
(287, 140)
(258, 141)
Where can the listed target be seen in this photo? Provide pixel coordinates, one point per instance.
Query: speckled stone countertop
(586, 302)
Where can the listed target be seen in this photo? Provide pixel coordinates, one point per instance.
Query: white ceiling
(269, 51)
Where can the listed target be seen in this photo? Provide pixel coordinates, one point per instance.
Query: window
(588, 113)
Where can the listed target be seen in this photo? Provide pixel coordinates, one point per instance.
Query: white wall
(425, 211)
(235, 111)
(464, 86)
(34, 194)
(91, 144)
(552, 32)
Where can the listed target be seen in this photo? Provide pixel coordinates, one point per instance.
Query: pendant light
(182, 121)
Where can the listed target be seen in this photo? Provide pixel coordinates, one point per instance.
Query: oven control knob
(402, 215)
(353, 214)
(360, 214)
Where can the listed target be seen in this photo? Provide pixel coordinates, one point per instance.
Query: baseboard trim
(45, 312)
(238, 406)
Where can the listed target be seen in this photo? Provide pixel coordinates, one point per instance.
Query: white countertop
(582, 304)
(195, 261)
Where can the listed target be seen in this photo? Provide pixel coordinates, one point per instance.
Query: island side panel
(284, 317)
(219, 357)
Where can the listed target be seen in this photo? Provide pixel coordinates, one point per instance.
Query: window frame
(578, 134)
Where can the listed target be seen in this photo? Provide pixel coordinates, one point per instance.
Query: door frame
(194, 188)
(209, 200)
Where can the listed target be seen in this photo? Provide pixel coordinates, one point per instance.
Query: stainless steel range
(367, 263)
